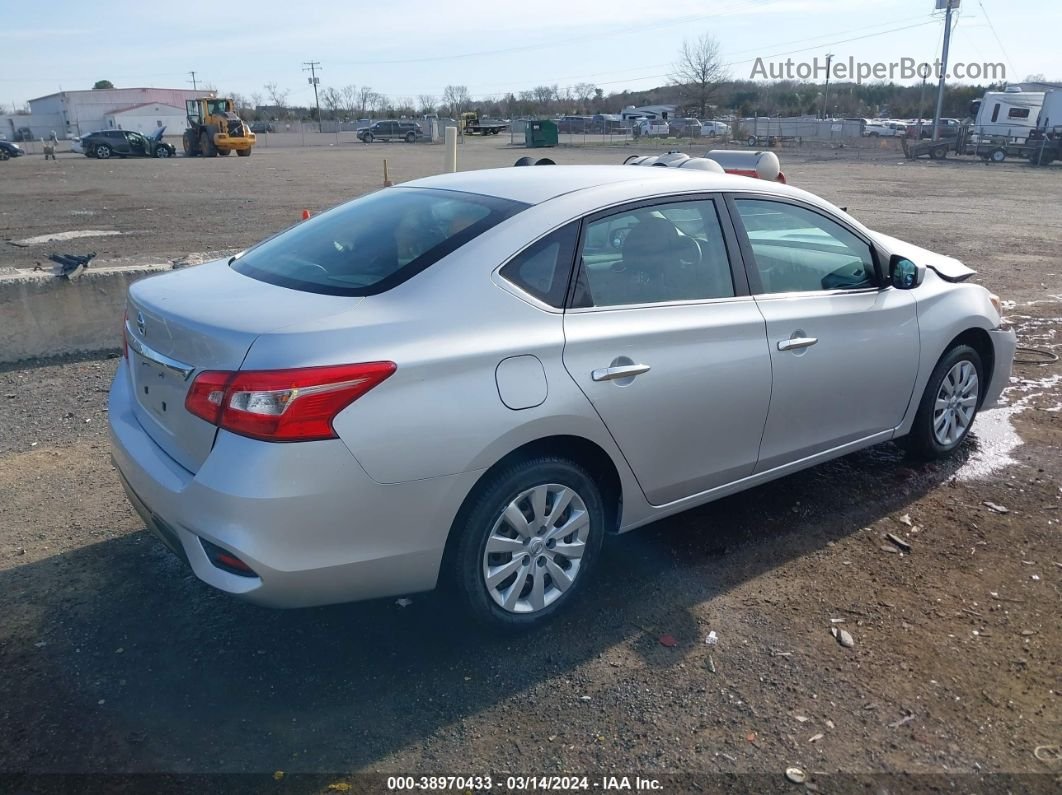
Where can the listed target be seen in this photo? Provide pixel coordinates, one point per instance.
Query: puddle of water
(994, 431)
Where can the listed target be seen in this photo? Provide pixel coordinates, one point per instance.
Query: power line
(992, 27)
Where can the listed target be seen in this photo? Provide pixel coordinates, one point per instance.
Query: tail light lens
(282, 405)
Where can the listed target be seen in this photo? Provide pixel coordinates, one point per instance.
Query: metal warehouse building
(82, 112)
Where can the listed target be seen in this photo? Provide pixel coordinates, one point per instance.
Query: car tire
(243, 153)
(163, 152)
(224, 152)
(411, 138)
(103, 152)
(998, 155)
(751, 140)
(528, 557)
(945, 417)
(368, 138)
(206, 146)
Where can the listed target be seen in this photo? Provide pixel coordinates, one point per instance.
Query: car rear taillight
(282, 405)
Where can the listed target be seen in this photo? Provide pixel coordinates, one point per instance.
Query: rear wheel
(243, 153)
(188, 141)
(949, 404)
(411, 138)
(224, 152)
(528, 542)
(103, 152)
(998, 155)
(206, 146)
(368, 138)
(938, 153)
(751, 140)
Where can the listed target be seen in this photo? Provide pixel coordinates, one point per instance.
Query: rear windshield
(371, 244)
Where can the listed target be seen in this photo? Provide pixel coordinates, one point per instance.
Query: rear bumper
(1004, 344)
(305, 517)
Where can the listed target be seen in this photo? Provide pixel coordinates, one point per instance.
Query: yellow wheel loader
(215, 129)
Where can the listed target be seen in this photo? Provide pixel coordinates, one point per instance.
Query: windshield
(371, 244)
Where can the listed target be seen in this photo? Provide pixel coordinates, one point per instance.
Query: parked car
(473, 378)
(714, 128)
(882, 128)
(105, 144)
(949, 128)
(262, 127)
(407, 131)
(9, 150)
(686, 128)
(76, 147)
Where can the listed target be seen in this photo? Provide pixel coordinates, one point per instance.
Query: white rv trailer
(1050, 118)
(1008, 114)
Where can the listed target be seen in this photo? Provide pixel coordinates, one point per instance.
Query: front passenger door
(844, 345)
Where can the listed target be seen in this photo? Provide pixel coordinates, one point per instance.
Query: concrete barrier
(41, 315)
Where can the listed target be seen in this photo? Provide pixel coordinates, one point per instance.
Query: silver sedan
(472, 379)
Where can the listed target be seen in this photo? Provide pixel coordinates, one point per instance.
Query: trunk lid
(202, 318)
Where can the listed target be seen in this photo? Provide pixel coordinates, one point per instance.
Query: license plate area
(159, 389)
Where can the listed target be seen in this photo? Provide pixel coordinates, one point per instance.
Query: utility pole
(949, 5)
(195, 86)
(826, 96)
(313, 79)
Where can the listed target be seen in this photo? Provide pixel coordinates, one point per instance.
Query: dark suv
(408, 131)
(126, 143)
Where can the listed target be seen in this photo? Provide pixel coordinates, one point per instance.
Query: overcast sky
(411, 47)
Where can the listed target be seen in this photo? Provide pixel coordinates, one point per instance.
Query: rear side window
(374, 243)
(544, 268)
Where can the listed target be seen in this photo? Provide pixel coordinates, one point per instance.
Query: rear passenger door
(843, 343)
(664, 339)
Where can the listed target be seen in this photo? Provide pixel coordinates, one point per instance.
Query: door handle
(623, 371)
(796, 343)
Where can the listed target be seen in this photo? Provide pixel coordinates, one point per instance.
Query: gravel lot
(115, 659)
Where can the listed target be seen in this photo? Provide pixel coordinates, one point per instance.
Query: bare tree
(426, 103)
(366, 99)
(456, 99)
(256, 100)
(278, 97)
(332, 100)
(350, 99)
(699, 70)
(543, 96)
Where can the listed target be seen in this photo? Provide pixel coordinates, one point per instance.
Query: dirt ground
(116, 660)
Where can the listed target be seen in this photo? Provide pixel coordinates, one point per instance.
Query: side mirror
(904, 274)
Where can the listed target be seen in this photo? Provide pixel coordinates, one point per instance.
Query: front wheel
(243, 153)
(411, 138)
(528, 542)
(948, 405)
(162, 151)
(368, 138)
(751, 140)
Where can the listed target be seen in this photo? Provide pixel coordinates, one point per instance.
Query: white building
(148, 117)
(82, 112)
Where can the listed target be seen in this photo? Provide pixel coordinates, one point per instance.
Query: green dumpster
(540, 132)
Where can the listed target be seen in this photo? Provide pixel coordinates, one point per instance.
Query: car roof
(536, 184)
